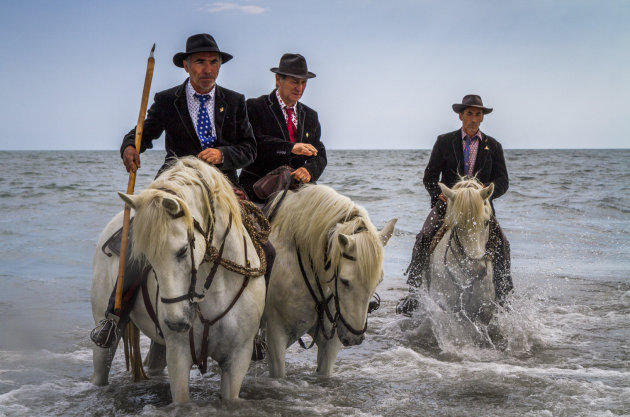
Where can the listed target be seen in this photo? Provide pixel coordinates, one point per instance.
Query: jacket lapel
(483, 150)
(301, 120)
(181, 106)
(276, 110)
(220, 109)
(458, 151)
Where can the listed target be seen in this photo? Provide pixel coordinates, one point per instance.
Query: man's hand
(301, 174)
(304, 149)
(442, 197)
(131, 159)
(211, 155)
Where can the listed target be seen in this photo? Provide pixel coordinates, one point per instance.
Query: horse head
(462, 262)
(174, 221)
(358, 273)
(468, 214)
(162, 235)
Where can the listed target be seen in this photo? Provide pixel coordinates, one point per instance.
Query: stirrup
(407, 305)
(260, 347)
(374, 304)
(106, 332)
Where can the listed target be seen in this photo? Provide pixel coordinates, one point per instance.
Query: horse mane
(468, 209)
(315, 215)
(191, 182)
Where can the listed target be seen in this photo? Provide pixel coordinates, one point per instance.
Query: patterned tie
(290, 124)
(204, 125)
(467, 155)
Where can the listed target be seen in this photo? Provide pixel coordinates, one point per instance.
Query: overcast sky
(557, 72)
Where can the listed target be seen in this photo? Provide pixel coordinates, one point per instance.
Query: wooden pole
(132, 183)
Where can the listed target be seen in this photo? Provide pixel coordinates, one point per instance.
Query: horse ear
(387, 231)
(347, 242)
(450, 194)
(130, 199)
(171, 205)
(487, 192)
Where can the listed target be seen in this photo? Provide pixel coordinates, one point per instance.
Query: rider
(466, 152)
(200, 118)
(287, 131)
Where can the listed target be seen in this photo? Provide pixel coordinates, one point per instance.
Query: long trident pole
(132, 183)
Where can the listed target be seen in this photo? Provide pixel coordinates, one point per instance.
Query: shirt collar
(190, 91)
(475, 136)
(282, 105)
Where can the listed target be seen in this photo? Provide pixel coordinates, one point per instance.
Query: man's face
(203, 70)
(471, 119)
(290, 88)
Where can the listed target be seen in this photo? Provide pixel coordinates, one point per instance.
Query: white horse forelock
(468, 209)
(315, 215)
(189, 179)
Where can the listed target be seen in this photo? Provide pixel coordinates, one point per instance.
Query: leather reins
(322, 302)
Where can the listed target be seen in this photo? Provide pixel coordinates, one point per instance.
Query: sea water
(566, 350)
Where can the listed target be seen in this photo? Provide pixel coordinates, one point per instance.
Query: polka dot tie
(468, 141)
(204, 125)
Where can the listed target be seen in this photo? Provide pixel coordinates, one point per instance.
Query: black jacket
(169, 113)
(447, 162)
(274, 145)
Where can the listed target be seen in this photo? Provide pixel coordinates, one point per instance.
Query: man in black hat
(199, 117)
(466, 152)
(287, 131)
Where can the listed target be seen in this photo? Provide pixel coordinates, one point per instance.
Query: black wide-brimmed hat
(293, 65)
(471, 100)
(200, 43)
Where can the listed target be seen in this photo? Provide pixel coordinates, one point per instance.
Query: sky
(556, 72)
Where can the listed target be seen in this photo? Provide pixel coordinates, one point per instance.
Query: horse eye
(182, 252)
(344, 282)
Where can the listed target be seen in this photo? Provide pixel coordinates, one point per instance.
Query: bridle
(212, 254)
(322, 302)
(258, 232)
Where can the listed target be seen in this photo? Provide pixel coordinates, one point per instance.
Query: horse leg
(155, 360)
(327, 351)
(276, 348)
(179, 364)
(233, 371)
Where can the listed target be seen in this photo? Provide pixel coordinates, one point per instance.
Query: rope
(258, 228)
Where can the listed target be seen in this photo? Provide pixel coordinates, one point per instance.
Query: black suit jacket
(274, 145)
(447, 162)
(169, 113)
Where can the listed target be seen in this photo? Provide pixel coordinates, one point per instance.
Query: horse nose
(178, 325)
(352, 341)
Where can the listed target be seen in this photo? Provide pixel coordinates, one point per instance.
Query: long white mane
(193, 183)
(315, 215)
(468, 209)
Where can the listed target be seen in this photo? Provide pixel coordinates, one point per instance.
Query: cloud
(224, 7)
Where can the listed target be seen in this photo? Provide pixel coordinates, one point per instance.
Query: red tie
(290, 124)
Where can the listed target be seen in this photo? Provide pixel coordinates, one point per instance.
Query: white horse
(329, 261)
(183, 221)
(460, 271)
